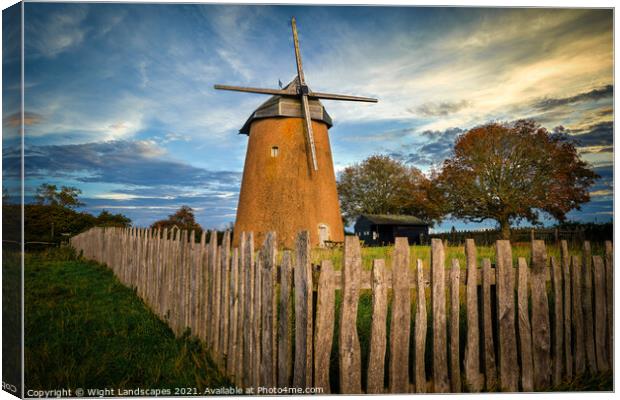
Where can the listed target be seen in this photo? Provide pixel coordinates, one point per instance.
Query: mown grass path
(85, 330)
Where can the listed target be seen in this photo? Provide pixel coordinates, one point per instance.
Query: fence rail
(518, 328)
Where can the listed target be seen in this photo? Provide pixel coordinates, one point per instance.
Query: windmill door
(323, 234)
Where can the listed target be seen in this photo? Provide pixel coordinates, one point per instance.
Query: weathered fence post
(137, 260)
(165, 285)
(248, 346)
(579, 344)
(455, 366)
(217, 307)
(609, 294)
(241, 359)
(568, 347)
(438, 301)
(541, 329)
(225, 301)
(401, 318)
(600, 318)
(473, 378)
(376, 359)
(471, 363)
(256, 324)
(348, 342)
(178, 268)
(269, 317)
(324, 330)
(303, 312)
(211, 288)
(558, 322)
(420, 330)
(182, 290)
(181, 282)
(233, 310)
(285, 346)
(191, 314)
(525, 330)
(508, 366)
(201, 287)
(159, 279)
(205, 294)
(588, 313)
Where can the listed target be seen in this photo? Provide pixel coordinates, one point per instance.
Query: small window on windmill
(274, 151)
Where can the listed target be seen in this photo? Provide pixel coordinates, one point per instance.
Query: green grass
(11, 319)
(424, 253)
(85, 329)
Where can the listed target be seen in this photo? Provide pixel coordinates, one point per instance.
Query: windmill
(315, 198)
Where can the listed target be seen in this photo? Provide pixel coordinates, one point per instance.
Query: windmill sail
(303, 93)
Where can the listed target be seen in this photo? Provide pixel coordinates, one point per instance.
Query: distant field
(86, 330)
(424, 253)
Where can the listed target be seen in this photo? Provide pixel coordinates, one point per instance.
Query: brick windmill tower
(288, 180)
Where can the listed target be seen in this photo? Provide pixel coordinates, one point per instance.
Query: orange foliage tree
(512, 172)
(383, 185)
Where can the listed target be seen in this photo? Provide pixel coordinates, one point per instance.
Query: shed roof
(281, 106)
(385, 219)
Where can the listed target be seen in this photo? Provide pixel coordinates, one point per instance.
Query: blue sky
(120, 101)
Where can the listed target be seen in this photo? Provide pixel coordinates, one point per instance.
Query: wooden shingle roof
(280, 106)
(385, 219)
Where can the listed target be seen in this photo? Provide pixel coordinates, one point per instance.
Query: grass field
(424, 253)
(84, 329)
(11, 319)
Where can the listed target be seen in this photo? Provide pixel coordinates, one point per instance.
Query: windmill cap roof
(284, 106)
(385, 219)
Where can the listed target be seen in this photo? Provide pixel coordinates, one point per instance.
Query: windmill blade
(306, 113)
(331, 96)
(300, 71)
(279, 92)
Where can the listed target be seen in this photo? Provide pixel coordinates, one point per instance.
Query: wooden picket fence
(239, 302)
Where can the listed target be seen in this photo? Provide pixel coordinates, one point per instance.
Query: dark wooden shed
(379, 230)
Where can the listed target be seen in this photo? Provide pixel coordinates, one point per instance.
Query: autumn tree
(183, 219)
(383, 185)
(67, 197)
(512, 172)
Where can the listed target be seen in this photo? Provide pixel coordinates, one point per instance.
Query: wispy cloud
(441, 109)
(433, 151)
(15, 120)
(62, 30)
(593, 95)
(119, 162)
(599, 134)
(490, 61)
